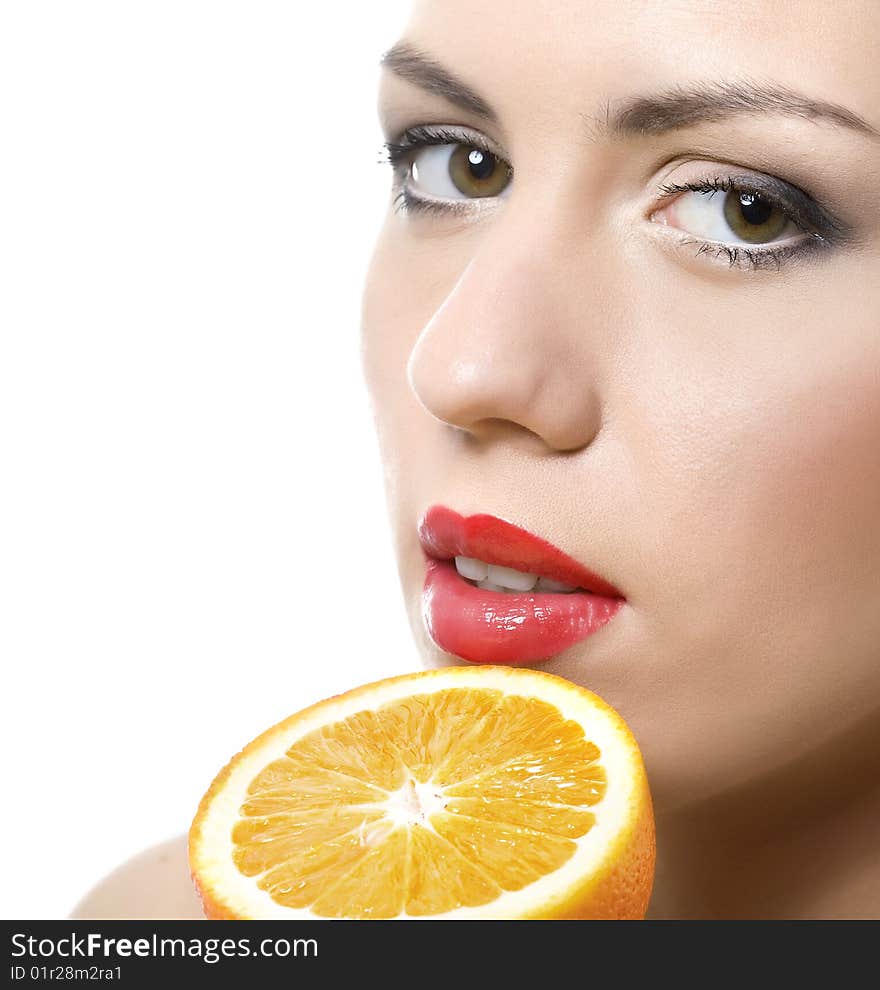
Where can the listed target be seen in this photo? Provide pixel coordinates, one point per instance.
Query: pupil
(481, 165)
(754, 210)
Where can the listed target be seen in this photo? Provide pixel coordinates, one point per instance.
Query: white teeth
(489, 586)
(545, 584)
(507, 577)
(494, 577)
(471, 568)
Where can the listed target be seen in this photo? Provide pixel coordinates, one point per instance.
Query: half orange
(463, 792)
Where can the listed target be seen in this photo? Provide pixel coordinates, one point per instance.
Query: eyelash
(400, 154)
(823, 230)
(738, 256)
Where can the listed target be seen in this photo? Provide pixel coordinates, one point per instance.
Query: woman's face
(629, 301)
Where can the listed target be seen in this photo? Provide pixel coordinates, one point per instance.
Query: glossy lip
(504, 627)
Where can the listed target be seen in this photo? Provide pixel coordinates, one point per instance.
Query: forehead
(579, 54)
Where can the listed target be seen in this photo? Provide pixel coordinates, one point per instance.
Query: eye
(728, 215)
(442, 168)
(458, 171)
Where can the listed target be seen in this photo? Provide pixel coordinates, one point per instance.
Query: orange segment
(552, 819)
(440, 879)
(463, 792)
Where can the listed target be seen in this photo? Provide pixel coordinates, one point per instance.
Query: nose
(506, 345)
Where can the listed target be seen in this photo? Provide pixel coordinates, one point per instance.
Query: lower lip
(506, 627)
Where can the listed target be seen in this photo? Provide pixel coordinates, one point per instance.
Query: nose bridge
(502, 344)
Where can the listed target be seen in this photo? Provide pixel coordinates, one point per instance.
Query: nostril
(496, 360)
(494, 406)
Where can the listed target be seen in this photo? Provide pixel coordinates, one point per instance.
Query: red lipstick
(486, 626)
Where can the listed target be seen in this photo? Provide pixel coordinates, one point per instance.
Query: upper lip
(444, 534)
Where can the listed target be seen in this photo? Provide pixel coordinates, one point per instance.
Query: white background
(193, 534)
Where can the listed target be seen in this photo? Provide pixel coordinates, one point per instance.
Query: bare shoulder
(153, 885)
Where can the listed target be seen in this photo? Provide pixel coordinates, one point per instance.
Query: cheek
(407, 280)
(819, 480)
(383, 349)
(754, 434)
(756, 451)
(784, 467)
(815, 498)
(381, 320)
(404, 285)
(389, 324)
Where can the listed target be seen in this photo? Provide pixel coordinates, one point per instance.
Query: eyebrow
(417, 67)
(670, 110)
(682, 107)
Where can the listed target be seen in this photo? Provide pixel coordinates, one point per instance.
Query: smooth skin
(705, 436)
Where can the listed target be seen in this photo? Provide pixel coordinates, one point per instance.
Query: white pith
(414, 803)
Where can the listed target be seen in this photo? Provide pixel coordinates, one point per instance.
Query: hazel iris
(752, 218)
(477, 173)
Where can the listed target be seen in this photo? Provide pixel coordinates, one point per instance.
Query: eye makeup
(401, 153)
(400, 150)
(820, 228)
